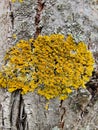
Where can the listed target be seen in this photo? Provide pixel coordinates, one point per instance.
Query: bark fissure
(22, 116)
(12, 106)
(2, 119)
(92, 87)
(18, 116)
(63, 112)
(39, 10)
(11, 15)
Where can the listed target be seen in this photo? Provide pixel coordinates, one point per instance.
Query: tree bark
(29, 19)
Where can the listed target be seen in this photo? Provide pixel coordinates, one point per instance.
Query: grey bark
(33, 17)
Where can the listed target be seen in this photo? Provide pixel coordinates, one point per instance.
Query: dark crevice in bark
(12, 106)
(2, 119)
(39, 9)
(22, 123)
(18, 116)
(92, 86)
(63, 112)
(11, 15)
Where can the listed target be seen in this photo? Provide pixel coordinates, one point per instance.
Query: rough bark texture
(34, 17)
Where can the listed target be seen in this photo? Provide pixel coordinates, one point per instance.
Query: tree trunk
(29, 19)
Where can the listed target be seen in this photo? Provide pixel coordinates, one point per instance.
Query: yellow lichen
(17, 1)
(14, 36)
(47, 106)
(52, 65)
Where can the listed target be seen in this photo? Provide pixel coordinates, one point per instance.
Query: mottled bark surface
(34, 17)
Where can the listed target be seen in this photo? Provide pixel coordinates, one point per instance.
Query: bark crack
(92, 87)
(22, 116)
(2, 118)
(39, 10)
(63, 112)
(18, 116)
(11, 15)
